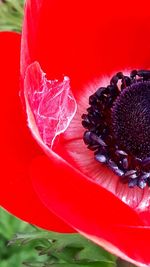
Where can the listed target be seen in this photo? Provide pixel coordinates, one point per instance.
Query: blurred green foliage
(23, 243)
(11, 15)
(13, 256)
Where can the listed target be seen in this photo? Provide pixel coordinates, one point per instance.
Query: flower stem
(123, 263)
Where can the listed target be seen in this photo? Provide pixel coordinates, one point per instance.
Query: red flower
(85, 41)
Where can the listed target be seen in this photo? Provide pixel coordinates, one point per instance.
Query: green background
(13, 255)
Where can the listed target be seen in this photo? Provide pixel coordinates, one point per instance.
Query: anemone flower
(84, 82)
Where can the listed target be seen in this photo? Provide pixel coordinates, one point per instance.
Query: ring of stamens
(104, 133)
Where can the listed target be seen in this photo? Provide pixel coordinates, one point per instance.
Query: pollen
(117, 126)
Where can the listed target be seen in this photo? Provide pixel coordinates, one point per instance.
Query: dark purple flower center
(131, 119)
(118, 127)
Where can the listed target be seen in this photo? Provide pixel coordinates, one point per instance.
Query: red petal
(83, 39)
(86, 206)
(18, 148)
(132, 243)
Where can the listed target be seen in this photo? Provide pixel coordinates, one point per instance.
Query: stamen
(117, 126)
